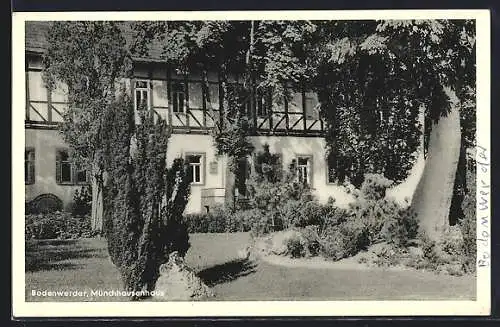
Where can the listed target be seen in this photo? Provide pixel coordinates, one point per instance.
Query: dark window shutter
(310, 169)
(32, 167)
(190, 173)
(58, 167)
(132, 93)
(150, 98)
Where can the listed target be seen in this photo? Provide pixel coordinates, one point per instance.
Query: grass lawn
(84, 265)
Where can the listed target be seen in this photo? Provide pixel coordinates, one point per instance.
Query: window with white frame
(304, 169)
(142, 94)
(66, 173)
(195, 170)
(178, 97)
(29, 166)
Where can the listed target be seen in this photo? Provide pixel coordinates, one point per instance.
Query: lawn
(83, 265)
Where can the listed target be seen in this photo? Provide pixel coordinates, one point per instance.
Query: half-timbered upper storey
(188, 102)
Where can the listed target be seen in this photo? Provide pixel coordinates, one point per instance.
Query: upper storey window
(178, 97)
(262, 104)
(311, 105)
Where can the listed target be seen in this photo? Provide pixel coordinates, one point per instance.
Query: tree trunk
(230, 188)
(97, 202)
(432, 198)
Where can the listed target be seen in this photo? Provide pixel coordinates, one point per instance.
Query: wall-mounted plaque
(212, 167)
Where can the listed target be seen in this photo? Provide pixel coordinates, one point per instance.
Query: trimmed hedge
(57, 225)
(225, 220)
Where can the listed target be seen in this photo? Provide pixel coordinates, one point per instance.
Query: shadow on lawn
(57, 255)
(227, 272)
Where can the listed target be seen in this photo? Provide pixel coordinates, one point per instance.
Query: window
(312, 105)
(29, 166)
(63, 167)
(261, 105)
(304, 170)
(178, 98)
(66, 172)
(142, 95)
(196, 165)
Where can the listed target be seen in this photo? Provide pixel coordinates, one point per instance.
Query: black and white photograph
(251, 163)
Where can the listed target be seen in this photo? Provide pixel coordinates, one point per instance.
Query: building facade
(292, 128)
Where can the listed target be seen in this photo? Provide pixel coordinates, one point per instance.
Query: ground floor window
(304, 169)
(178, 98)
(196, 167)
(66, 173)
(29, 166)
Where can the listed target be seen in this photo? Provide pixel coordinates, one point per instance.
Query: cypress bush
(143, 200)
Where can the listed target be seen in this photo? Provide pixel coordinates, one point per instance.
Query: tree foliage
(143, 199)
(89, 57)
(373, 78)
(209, 45)
(382, 74)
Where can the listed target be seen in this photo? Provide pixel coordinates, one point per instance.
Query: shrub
(295, 246)
(60, 225)
(344, 240)
(312, 240)
(372, 213)
(268, 165)
(385, 219)
(300, 213)
(446, 254)
(142, 197)
(468, 223)
(217, 218)
(249, 220)
(374, 186)
(452, 242)
(388, 255)
(312, 213)
(44, 203)
(175, 232)
(261, 222)
(272, 196)
(196, 222)
(333, 216)
(82, 201)
(401, 227)
(224, 220)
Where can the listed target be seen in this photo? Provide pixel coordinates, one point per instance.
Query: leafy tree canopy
(372, 77)
(89, 57)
